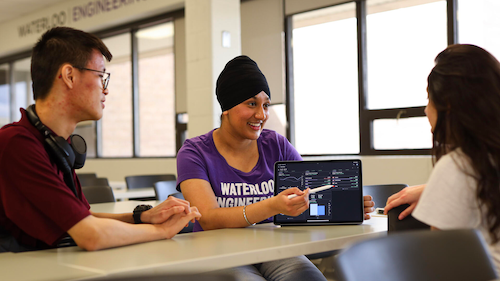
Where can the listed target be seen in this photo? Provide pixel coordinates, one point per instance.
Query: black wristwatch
(138, 211)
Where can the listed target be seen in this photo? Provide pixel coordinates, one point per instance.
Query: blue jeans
(296, 268)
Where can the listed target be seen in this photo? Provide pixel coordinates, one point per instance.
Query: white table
(121, 194)
(198, 252)
(22, 267)
(119, 207)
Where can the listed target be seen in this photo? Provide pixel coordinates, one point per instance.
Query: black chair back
(406, 224)
(380, 192)
(87, 175)
(143, 181)
(98, 194)
(163, 189)
(178, 195)
(146, 180)
(93, 181)
(457, 255)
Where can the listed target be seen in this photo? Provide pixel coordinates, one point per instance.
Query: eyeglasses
(105, 76)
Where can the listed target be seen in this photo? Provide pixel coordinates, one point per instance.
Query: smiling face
(90, 96)
(246, 120)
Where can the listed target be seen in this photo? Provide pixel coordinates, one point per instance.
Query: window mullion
(12, 92)
(452, 27)
(394, 112)
(135, 94)
(364, 123)
(290, 103)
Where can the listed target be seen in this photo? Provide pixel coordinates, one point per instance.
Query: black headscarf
(240, 80)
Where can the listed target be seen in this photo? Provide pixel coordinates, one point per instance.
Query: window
(23, 92)
(4, 95)
(277, 119)
(360, 76)
(156, 90)
(116, 133)
(404, 133)
(401, 56)
(399, 59)
(139, 118)
(326, 81)
(479, 24)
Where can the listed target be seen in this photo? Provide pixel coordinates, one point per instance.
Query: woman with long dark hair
(463, 190)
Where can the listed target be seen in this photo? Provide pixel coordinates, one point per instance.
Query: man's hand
(163, 211)
(409, 195)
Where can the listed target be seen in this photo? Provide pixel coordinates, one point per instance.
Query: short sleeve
(190, 164)
(289, 153)
(33, 195)
(292, 153)
(449, 200)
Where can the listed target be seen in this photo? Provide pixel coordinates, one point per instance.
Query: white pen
(314, 190)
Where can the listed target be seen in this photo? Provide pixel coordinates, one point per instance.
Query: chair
(93, 181)
(380, 192)
(146, 180)
(163, 189)
(98, 194)
(142, 181)
(178, 195)
(418, 255)
(86, 175)
(406, 224)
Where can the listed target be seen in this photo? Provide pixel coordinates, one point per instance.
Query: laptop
(340, 204)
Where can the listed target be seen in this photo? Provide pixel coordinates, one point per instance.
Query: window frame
(366, 116)
(132, 28)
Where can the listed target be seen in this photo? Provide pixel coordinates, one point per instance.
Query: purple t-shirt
(199, 159)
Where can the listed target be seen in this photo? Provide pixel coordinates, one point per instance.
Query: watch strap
(138, 212)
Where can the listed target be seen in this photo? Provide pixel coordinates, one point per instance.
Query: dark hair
(464, 87)
(56, 47)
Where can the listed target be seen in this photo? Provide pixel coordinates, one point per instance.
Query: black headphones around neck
(67, 156)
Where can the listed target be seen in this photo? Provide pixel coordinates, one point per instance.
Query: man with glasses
(41, 200)
(104, 76)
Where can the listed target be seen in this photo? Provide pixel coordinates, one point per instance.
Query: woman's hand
(409, 195)
(368, 205)
(291, 207)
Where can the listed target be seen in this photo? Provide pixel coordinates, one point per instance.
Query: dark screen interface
(341, 203)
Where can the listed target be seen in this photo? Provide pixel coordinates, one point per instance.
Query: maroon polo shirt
(36, 206)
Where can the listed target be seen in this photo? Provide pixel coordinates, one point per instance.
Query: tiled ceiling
(11, 9)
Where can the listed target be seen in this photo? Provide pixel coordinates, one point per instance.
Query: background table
(121, 194)
(119, 207)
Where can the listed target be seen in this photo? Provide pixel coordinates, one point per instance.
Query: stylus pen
(314, 190)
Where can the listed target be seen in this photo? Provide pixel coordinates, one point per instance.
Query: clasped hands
(171, 209)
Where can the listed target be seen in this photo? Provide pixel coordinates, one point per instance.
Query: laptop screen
(340, 204)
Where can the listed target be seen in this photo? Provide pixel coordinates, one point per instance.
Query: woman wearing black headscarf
(228, 172)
